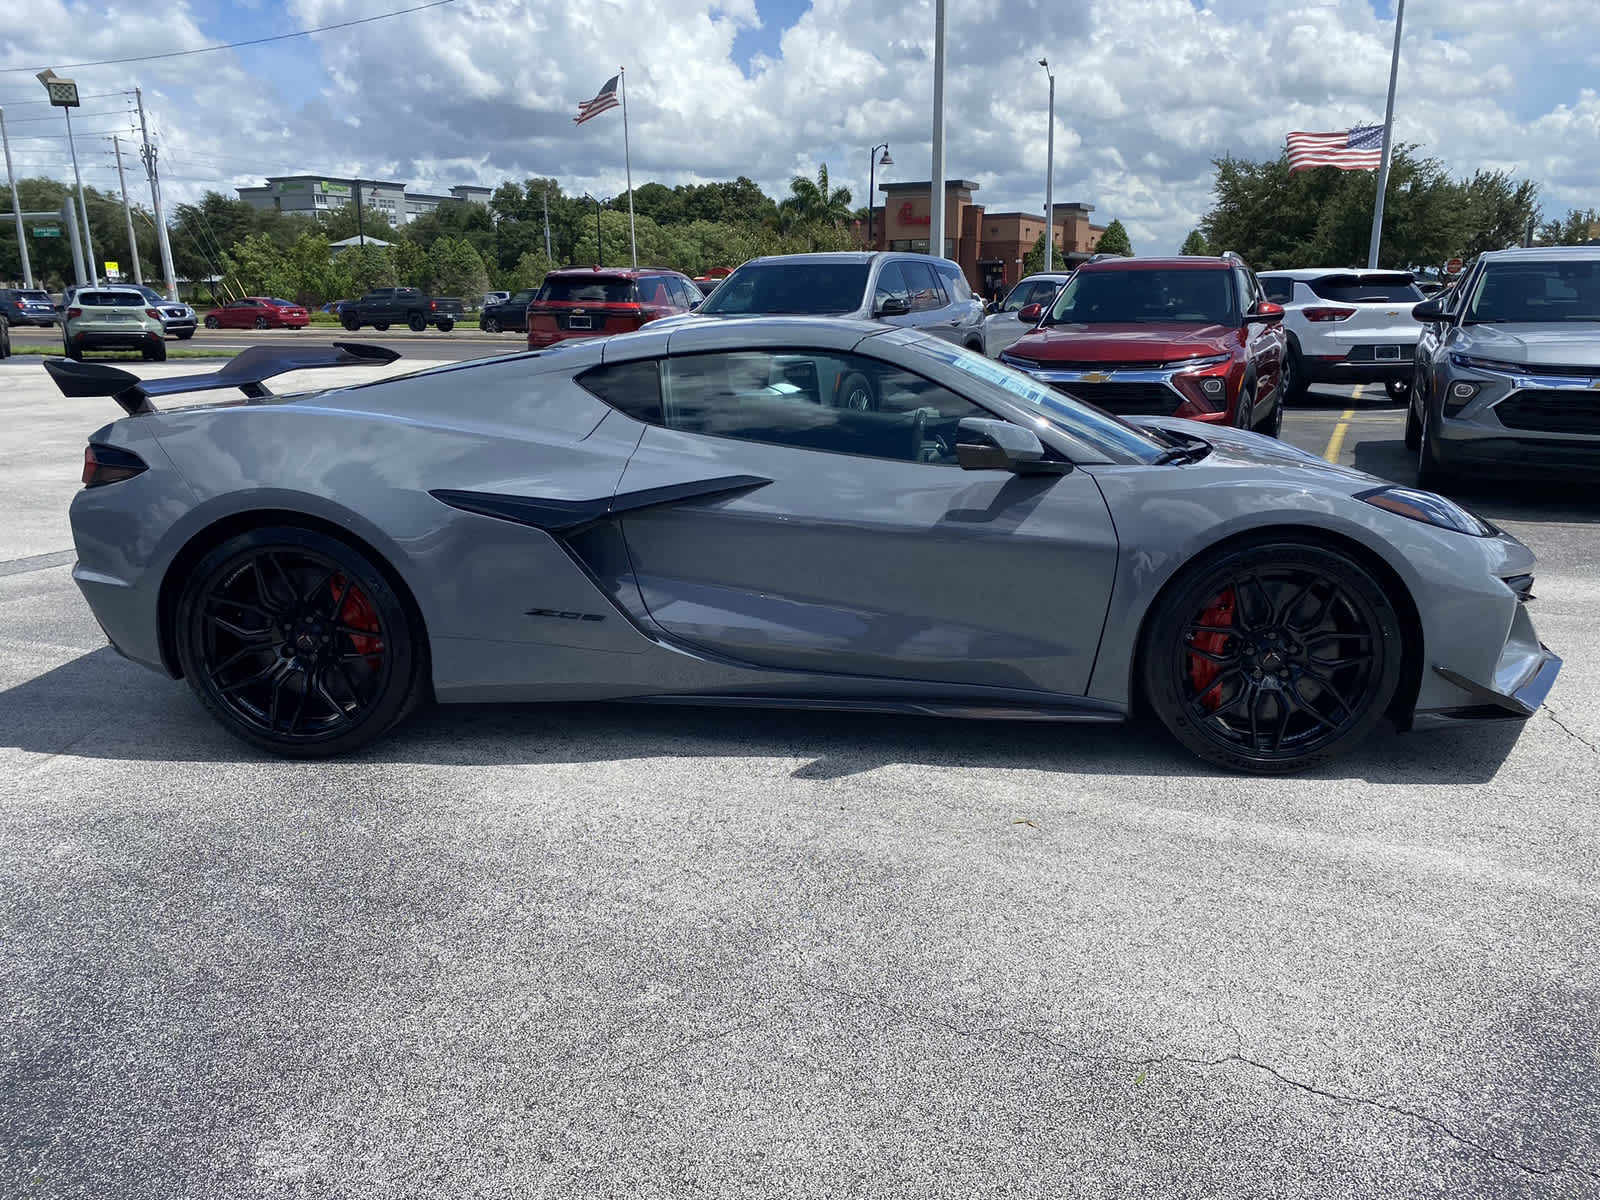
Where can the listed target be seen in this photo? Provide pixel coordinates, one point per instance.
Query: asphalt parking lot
(600, 951)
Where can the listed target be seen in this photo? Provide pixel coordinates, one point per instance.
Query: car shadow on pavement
(1496, 499)
(101, 706)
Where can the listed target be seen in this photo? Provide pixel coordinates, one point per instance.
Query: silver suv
(1507, 372)
(917, 291)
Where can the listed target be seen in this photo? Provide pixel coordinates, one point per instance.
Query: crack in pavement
(1207, 1063)
(1562, 725)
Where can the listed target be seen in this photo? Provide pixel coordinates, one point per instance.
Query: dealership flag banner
(605, 100)
(1357, 149)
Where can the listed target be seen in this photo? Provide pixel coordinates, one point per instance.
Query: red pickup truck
(1189, 337)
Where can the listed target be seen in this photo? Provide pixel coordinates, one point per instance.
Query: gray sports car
(782, 512)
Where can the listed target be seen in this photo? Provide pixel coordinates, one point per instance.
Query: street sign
(1453, 267)
(47, 231)
(113, 270)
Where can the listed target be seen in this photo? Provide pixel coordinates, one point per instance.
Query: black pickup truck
(383, 307)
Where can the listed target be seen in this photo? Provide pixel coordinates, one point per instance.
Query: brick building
(988, 246)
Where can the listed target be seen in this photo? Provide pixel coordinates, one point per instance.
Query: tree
(340, 223)
(457, 269)
(1033, 260)
(530, 271)
(51, 258)
(813, 203)
(367, 267)
(1114, 241)
(255, 266)
(317, 276)
(1580, 225)
(1195, 243)
(412, 265)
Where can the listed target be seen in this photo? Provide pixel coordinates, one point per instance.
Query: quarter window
(891, 285)
(813, 400)
(926, 294)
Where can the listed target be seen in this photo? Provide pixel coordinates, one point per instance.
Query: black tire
(490, 325)
(1273, 425)
(1229, 680)
(350, 321)
(380, 326)
(74, 350)
(446, 326)
(1399, 390)
(416, 322)
(213, 323)
(1294, 384)
(1245, 407)
(1432, 474)
(185, 335)
(157, 352)
(281, 616)
(5, 338)
(261, 323)
(856, 392)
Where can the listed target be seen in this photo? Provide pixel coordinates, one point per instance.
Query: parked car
(511, 312)
(689, 515)
(495, 297)
(28, 306)
(914, 291)
(258, 312)
(1507, 373)
(411, 307)
(176, 317)
(112, 318)
(1004, 325)
(578, 302)
(1191, 336)
(1346, 326)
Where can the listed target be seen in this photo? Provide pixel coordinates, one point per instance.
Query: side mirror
(694, 304)
(986, 444)
(992, 307)
(1030, 313)
(1264, 313)
(1430, 310)
(893, 306)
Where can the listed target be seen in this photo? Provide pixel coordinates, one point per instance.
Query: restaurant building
(988, 246)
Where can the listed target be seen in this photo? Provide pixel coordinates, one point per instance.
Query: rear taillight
(74, 312)
(1329, 314)
(647, 314)
(434, 305)
(109, 464)
(151, 312)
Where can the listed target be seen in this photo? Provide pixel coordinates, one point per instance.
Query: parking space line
(1336, 439)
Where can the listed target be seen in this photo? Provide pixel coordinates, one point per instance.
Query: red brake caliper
(357, 613)
(1202, 671)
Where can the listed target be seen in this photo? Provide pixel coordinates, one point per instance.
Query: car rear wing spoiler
(245, 372)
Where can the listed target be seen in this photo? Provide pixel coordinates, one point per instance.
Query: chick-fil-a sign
(907, 217)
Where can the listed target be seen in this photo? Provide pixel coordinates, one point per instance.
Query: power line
(29, 103)
(81, 116)
(280, 37)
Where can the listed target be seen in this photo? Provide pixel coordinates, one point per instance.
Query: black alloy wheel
(296, 643)
(1272, 657)
(261, 323)
(1399, 390)
(1294, 383)
(416, 322)
(855, 393)
(213, 323)
(490, 325)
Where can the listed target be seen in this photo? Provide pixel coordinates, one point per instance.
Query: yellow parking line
(1336, 441)
(1358, 391)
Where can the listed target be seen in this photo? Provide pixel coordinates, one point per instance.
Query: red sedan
(258, 312)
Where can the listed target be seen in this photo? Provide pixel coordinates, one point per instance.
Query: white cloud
(1148, 92)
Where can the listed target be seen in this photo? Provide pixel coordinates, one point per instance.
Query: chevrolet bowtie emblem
(576, 311)
(1094, 377)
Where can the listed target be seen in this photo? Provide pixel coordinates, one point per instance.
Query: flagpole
(1388, 142)
(627, 159)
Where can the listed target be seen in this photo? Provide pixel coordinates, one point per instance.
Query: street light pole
(1050, 175)
(936, 201)
(63, 94)
(873, 163)
(1388, 141)
(16, 205)
(127, 212)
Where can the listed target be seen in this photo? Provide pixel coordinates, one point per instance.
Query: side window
(1279, 291)
(814, 400)
(955, 283)
(683, 293)
(1247, 289)
(926, 293)
(891, 285)
(633, 388)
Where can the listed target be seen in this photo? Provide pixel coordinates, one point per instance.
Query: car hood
(1136, 343)
(1239, 448)
(1558, 344)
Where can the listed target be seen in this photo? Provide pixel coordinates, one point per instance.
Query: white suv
(112, 318)
(1346, 326)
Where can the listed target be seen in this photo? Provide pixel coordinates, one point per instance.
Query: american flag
(605, 98)
(1358, 149)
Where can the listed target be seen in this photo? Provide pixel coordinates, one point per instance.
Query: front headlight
(1472, 363)
(1429, 508)
(1190, 364)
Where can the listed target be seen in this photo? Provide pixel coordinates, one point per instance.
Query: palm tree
(811, 203)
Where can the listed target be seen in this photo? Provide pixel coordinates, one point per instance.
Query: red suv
(1189, 337)
(579, 302)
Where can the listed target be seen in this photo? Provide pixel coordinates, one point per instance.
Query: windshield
(1133, 297)
(1536, 292)
(1370, 288)
(603, 289)
(1115, 438)
(815, 288)
(45, 296)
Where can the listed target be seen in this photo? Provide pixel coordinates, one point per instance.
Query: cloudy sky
(479, 91)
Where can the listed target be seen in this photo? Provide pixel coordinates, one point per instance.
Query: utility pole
(1050, 175)
(547, 257)
(127, 212)
(936, 200)
(361, 233)
(1388, 141)
(149, 156)
(16, 205)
